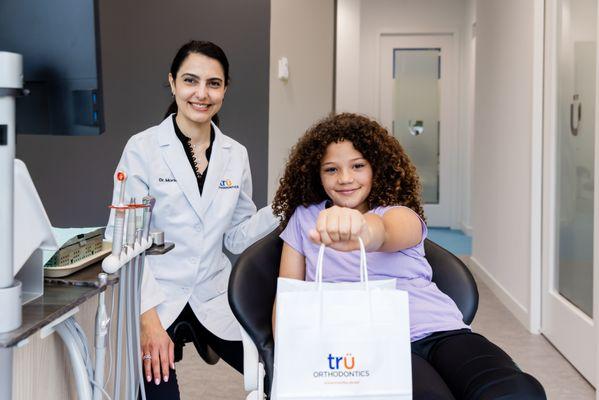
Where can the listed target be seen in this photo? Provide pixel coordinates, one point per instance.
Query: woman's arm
(293, 265)
(397, 229)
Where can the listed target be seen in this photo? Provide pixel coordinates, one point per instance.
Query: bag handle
(363, 278)
(363, 265)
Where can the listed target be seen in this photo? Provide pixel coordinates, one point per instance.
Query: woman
(202, 184)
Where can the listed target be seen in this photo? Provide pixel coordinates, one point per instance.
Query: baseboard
(513, 305)
(467, 229)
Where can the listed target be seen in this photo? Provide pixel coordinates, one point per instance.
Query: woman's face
(199, 88)
(346, 176)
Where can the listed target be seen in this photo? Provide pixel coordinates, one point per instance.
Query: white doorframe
(536, 189)
(580, 329)
(448, 114)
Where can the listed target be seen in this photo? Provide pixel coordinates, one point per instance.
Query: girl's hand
(157, 348)
(340, 228)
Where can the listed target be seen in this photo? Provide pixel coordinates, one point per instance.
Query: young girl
(347, 178)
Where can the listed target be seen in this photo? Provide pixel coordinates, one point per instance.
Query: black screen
(60, 45)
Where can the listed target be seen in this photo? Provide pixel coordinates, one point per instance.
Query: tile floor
(453, 240)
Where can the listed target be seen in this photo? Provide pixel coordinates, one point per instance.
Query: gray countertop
(61, 295)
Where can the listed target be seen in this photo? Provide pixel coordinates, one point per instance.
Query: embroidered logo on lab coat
(227, 184)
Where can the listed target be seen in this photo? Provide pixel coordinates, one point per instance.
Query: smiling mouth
(199, 107)
(347, 191)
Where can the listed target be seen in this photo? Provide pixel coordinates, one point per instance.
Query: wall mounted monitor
(60, 44)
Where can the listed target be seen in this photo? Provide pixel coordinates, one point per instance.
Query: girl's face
(346, 176)
(199, 88)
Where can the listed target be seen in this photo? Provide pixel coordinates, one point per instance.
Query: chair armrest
(250, 362)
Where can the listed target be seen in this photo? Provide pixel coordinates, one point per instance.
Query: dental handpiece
(149, 202)
(139, 224)
(119, 216)
(131, 221)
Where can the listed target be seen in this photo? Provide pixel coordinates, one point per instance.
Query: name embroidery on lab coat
(227, 184)
(167, 180)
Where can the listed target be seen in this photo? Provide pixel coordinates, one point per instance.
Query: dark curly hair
(394, 179)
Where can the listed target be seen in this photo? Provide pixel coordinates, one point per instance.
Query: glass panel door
(418, 103)
(416, 98)
(569, 212)
(575, 175)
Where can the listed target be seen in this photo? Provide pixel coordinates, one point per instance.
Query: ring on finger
(146, 357)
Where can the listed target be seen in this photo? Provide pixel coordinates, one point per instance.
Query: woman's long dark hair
(205, 48)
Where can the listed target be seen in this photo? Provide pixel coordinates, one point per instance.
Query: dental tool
(127, 273)
(119, 215)
(102, 323)
(111, 264)
(148, 203)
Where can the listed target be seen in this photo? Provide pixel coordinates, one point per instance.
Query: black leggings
(187, 328)
(464, 365)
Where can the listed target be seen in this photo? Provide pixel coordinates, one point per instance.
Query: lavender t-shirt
(430, 309)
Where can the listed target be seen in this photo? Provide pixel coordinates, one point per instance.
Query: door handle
(574, 125)
(416, 128)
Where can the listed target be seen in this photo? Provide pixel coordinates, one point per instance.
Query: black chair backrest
(253, 286)
(252, 291)
(453, 278)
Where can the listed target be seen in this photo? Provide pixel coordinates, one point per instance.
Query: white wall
(302, 31)
(502, 169)
(360, 24)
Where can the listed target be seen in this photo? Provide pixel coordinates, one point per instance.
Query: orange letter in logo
(353, 362)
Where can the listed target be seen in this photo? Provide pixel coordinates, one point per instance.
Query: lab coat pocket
(220, 318)
(222, 281)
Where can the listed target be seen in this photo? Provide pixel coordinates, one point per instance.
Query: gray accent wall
(73, 175)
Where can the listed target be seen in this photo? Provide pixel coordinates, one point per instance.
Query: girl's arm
(293, 265)
(397, 229)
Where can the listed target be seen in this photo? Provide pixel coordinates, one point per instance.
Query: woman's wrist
(149, 318)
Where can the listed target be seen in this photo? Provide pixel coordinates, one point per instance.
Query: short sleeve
(292, 234)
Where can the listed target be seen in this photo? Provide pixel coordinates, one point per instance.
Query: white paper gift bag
(342, 340)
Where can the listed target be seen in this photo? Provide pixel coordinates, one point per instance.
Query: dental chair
(253, 286)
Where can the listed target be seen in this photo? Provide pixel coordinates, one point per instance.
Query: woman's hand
(340, 228)
(157, 348)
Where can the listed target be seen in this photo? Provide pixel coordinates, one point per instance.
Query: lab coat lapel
(219, 159)
(176, 159)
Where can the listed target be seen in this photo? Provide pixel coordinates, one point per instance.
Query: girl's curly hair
(394, 179)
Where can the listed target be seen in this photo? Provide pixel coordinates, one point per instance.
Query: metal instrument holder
(130, 241)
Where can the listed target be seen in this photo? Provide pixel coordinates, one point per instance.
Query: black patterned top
(189, 152)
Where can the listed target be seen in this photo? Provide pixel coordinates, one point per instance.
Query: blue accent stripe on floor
(453, 240)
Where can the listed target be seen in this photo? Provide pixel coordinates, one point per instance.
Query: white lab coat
(196, 270)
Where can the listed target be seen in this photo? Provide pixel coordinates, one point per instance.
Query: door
(417, 104)
(569, 306)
